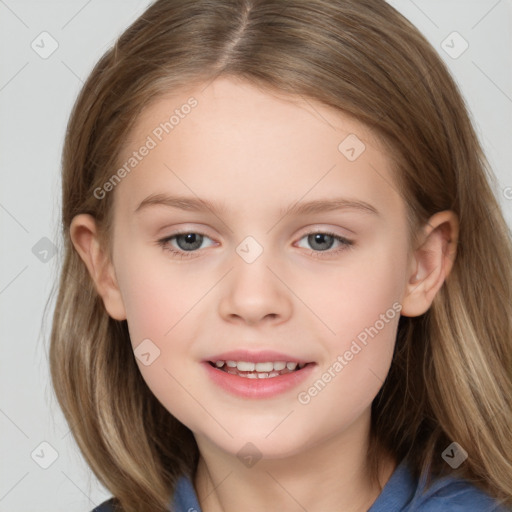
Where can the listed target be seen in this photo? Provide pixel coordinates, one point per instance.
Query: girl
(287, 282)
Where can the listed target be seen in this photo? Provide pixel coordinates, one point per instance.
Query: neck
(312, 479)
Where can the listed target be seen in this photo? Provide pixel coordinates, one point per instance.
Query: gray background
(36, 96)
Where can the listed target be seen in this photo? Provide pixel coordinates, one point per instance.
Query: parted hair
(450, 377)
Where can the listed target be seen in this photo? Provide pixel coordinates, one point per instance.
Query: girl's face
(251, 277)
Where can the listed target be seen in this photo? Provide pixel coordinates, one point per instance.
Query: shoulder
(455, 495)
(184, 499)
(106, 506)
(403, 493)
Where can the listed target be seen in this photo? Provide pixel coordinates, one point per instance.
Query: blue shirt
(400, 494)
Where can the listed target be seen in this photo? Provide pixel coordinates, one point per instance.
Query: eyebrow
(299, 208)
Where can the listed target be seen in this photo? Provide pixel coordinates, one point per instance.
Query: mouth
(260, 370)
(257, 375)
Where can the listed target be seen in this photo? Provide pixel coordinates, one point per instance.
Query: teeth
(263, 367)
(258, 370)
(243, 366)
(256, 375)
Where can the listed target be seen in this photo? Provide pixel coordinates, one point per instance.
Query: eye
(188, 242)
(323, 241)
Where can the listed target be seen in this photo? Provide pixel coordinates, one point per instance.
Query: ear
(431, 262)
(84, 236)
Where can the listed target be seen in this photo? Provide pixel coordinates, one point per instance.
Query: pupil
(319, 239)
(189, 238)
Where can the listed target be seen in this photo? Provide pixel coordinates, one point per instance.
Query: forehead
(236, 101)
(231, 138)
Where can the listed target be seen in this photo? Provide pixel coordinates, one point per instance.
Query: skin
(256, 152)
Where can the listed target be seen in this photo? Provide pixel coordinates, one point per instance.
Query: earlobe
(84, 236)
(432, 263)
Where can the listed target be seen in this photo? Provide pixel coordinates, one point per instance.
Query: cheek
(362, 309)
(374, 288)
(157, 294)
(160, 301)
(353, 294)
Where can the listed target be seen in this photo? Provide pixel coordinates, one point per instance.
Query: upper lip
(261, 356)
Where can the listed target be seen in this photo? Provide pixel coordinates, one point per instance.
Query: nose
(253, 293)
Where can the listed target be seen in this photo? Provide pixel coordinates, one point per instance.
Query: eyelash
(345, 244)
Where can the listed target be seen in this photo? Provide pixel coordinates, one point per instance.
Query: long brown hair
(450, 379)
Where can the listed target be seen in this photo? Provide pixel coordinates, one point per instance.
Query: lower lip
(257, 388)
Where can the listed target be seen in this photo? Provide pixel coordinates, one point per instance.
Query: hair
(450, 377)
